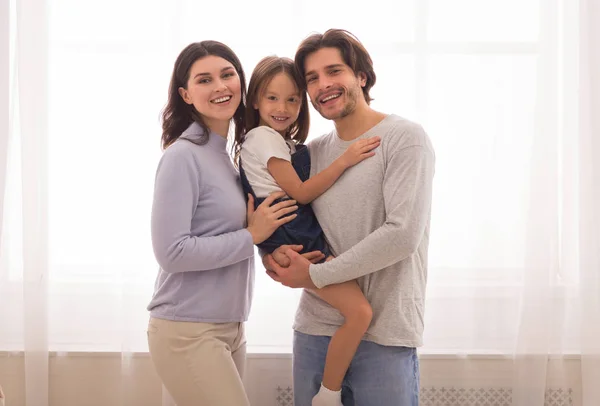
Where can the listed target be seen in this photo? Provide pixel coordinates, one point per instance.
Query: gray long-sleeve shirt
(376, 219)
(206, 255)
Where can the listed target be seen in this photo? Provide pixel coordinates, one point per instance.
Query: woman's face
(214, 89)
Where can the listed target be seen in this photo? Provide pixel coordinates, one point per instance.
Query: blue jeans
(378, 375)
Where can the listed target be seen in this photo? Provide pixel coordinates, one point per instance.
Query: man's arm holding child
(407, 190)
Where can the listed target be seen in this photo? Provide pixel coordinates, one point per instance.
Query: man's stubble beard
(349, 107)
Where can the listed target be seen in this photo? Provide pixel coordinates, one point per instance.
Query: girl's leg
(349, 300)
(195, 362)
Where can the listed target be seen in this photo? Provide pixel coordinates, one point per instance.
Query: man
(376, 218)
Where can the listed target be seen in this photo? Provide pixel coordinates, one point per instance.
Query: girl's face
(279, 103)
(214, 89)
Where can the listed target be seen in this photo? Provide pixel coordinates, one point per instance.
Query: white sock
(327, 397)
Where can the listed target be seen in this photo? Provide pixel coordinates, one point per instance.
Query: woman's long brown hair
(177, 114)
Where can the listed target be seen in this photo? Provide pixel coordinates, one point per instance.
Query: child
(273, 158)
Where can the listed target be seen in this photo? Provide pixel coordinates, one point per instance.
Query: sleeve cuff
(315, 271)
(248, 241)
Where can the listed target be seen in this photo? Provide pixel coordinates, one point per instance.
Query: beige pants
(200, 364)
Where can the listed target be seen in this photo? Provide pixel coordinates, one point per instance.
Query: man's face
(332, 86)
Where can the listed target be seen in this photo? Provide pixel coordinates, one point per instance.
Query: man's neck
(359, 122)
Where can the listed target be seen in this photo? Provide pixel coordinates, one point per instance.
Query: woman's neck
(219, 127)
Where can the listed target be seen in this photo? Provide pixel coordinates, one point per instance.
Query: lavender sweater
(198, 218)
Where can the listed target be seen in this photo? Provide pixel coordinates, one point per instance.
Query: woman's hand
(263, 221)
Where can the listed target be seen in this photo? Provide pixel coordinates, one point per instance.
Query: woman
(203, 235)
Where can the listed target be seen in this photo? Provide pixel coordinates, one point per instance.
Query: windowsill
(286, 352)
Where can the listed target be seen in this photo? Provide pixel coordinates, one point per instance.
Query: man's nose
(325, 83)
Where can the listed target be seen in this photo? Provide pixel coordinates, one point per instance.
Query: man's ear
(362, 79)
(185, 95)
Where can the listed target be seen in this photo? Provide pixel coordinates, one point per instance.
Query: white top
(261, 144)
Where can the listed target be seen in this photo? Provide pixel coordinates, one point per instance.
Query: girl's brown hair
(262, 75)
(177, 114)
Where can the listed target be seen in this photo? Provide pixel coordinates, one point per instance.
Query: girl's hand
(359, 151)
(263, 221)
(284, 261)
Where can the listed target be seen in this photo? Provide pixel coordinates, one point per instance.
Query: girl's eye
(273, 98)
(204, 81)
(228, 75)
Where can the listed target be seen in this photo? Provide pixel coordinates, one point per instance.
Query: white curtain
(559, 301)
(589, 204)
(507, 91)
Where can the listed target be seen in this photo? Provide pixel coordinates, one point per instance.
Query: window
(470, 71)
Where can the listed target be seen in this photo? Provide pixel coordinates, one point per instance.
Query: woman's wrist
(253, 235)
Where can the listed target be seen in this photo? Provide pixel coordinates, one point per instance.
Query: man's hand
(296, 275)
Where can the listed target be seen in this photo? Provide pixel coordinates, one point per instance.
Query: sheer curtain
(589, 93)
(506, 90)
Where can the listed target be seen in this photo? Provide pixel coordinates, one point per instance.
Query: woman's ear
(185, 95)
